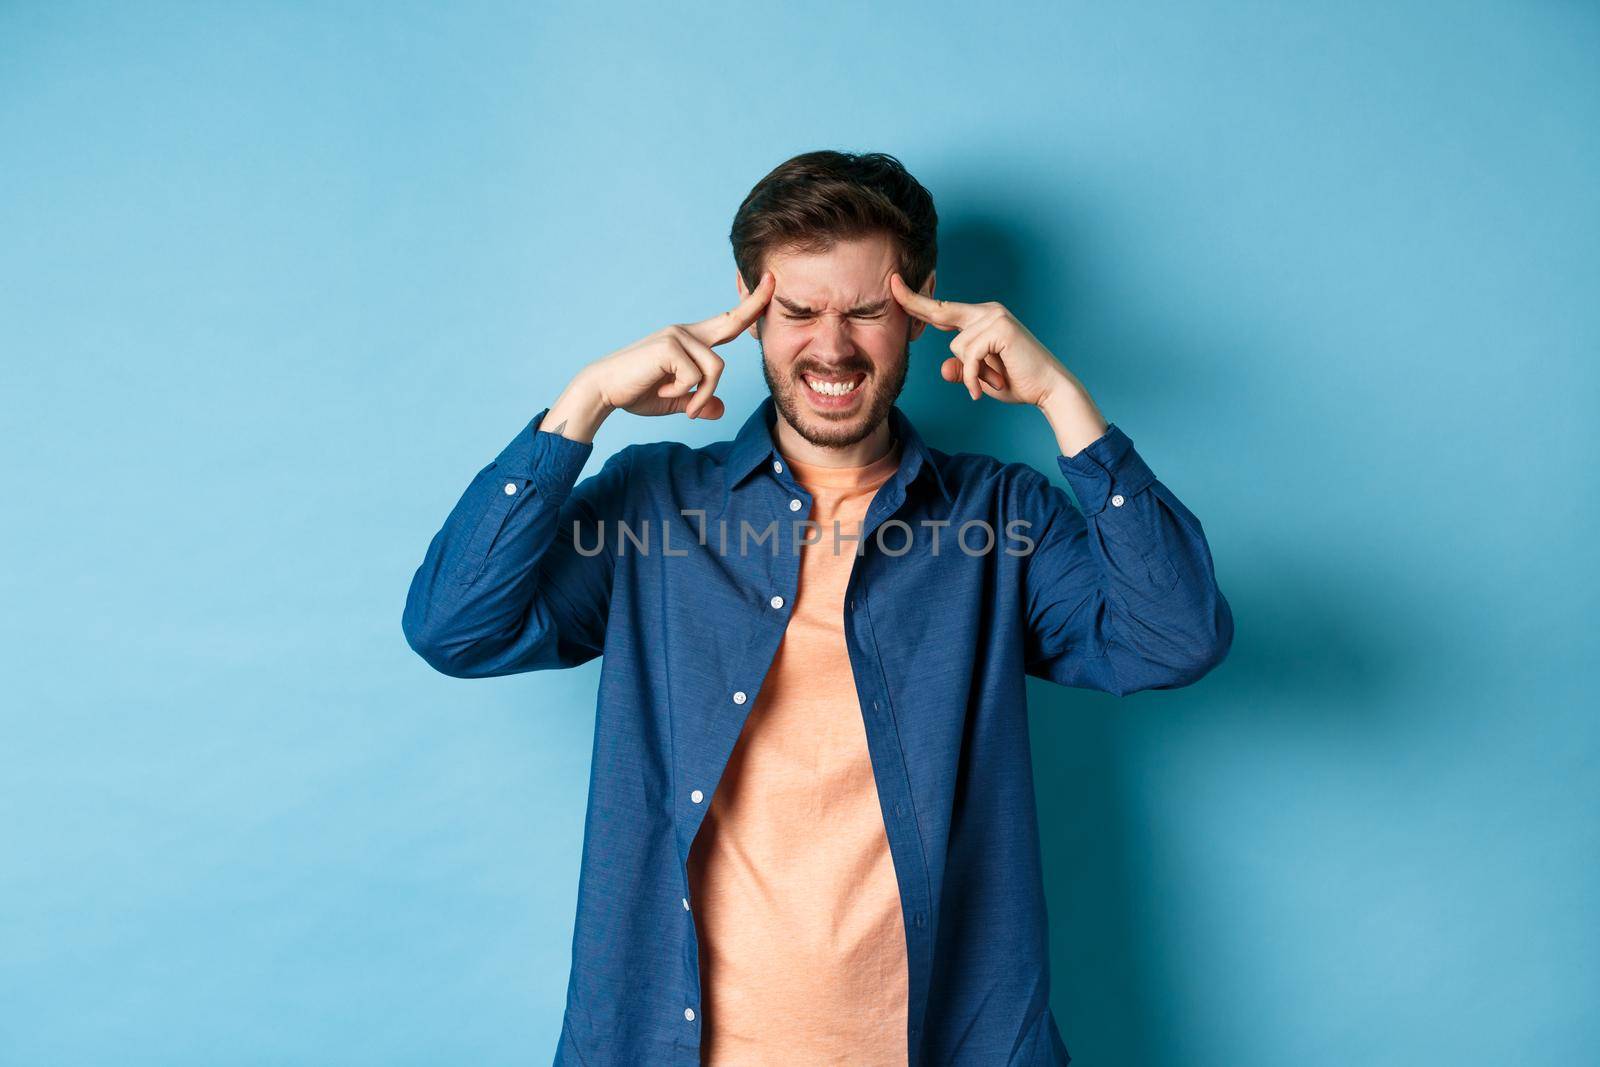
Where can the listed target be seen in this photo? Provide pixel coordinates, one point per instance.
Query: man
(811, 835)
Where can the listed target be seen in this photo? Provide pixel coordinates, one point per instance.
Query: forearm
(1156, 617)
(475, 607)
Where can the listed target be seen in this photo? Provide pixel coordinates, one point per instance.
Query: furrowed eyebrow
(860, 309)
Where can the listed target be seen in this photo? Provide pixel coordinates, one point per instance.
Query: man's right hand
(671, 370)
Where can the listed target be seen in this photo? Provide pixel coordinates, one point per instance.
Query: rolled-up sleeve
(514, 581)
(1120, 592)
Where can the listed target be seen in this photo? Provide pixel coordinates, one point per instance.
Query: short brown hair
(809, 202)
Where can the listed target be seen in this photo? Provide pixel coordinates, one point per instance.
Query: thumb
(714, 408)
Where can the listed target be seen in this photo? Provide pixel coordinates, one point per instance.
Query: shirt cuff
(1109, 470)
(550, 461)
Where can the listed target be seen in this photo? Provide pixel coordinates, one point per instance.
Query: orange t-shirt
(802, 944)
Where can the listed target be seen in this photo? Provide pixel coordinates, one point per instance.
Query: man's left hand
(994, 354)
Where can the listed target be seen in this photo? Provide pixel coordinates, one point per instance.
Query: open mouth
(833, 391)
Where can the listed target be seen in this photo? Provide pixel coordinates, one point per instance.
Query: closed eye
(792, 317)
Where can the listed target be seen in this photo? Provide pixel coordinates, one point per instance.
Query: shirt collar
(754, 446)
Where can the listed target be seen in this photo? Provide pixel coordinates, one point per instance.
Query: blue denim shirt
(680, 565)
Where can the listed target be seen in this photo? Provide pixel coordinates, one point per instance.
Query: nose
(830, 338)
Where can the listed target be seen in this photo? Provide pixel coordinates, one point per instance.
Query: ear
(926, 290)
(744, 291)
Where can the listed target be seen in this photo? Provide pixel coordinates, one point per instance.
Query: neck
(869, 449)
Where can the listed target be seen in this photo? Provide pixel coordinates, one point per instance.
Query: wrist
(1073, 416)
(579, 410)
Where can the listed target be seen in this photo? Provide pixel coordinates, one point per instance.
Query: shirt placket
(890, 771)
(779, 499)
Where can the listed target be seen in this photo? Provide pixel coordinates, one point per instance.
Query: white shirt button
(511, 489)
(777, 601)
(777, 466)
(697, 796)
(688, 1013)
(739, 697)
(794, 505)
(1116, 501)
(685, 903)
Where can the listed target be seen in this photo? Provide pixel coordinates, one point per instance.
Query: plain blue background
(276, 280)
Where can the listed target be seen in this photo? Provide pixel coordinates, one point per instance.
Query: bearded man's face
(835, 344)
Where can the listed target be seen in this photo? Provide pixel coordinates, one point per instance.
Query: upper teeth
(833, 388)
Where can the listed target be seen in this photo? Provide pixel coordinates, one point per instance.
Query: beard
(840, 432)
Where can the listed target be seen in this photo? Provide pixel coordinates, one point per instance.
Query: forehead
(853, 271)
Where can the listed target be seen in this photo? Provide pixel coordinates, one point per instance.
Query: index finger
(944, 314)
(720, 329)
